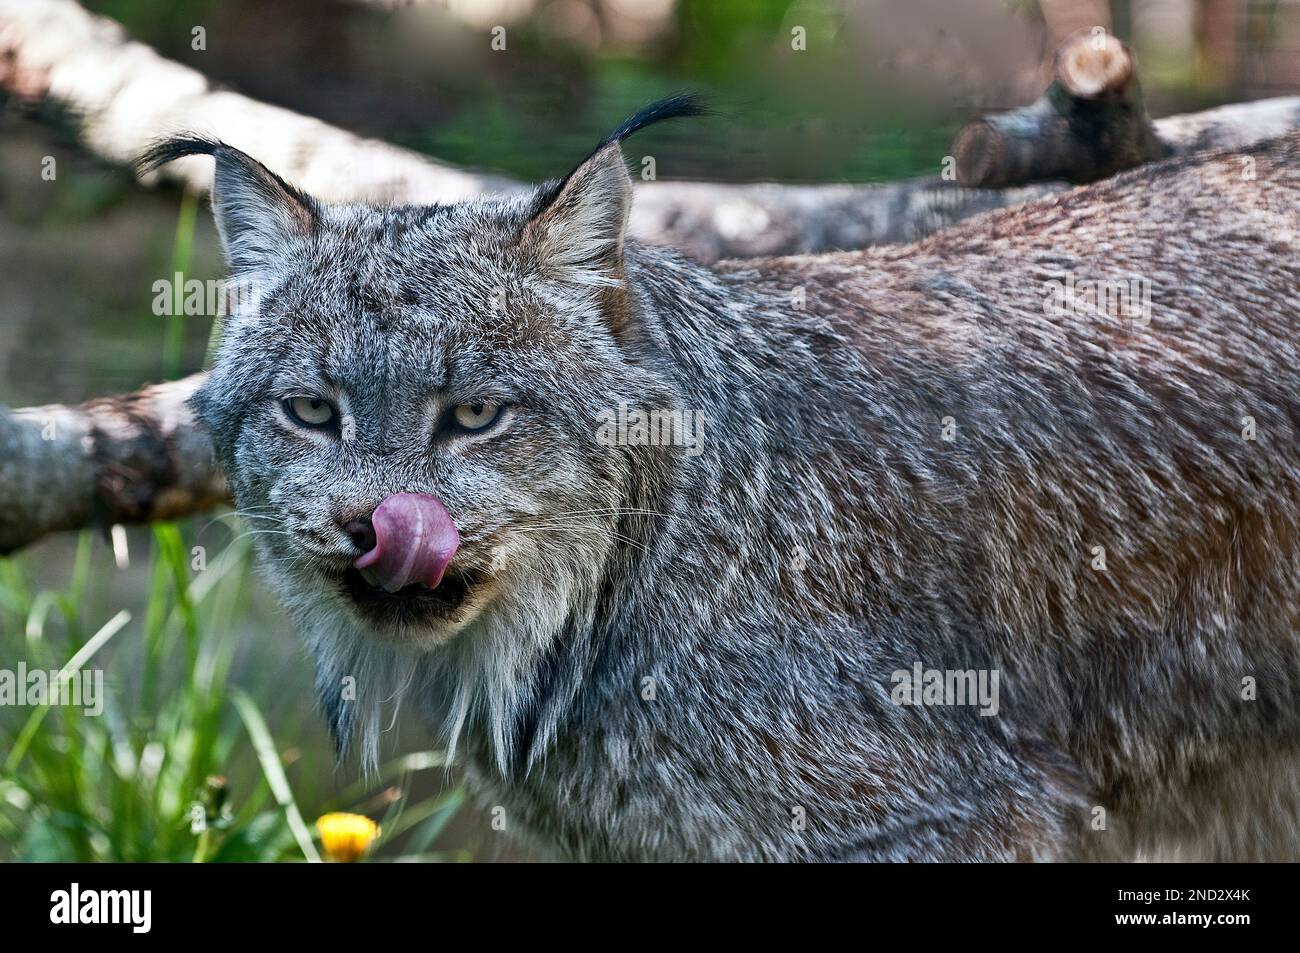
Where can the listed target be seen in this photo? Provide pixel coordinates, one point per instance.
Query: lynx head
(405, 407)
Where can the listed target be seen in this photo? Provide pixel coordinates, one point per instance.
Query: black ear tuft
(176, 147)
(679, 105)
(577, 224)
(673, 107)
(258, 214)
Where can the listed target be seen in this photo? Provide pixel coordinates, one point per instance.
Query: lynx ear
(577, 226)
(577, 230)
(258, 214)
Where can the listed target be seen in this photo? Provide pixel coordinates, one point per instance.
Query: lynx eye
(310, 411)
(476, 416)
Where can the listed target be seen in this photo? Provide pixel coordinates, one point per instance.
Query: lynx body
(912, 456)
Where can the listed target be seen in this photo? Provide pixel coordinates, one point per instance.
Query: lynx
(658, 650)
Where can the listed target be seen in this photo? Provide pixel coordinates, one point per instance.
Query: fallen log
(120, 96)
(130, 459)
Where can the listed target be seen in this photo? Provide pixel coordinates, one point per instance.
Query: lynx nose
(414, 541)
(362, 533)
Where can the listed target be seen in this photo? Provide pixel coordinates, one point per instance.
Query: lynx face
(407, 412)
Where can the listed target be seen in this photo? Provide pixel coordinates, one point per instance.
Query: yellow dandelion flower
(346, 837)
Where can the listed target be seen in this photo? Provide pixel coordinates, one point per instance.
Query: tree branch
(128, 459)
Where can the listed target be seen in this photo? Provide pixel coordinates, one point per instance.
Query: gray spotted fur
(771, 684)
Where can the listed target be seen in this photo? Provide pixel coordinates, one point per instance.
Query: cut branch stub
(1090, 123)
(1094, 65)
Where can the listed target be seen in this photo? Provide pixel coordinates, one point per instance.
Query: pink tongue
(415, 538)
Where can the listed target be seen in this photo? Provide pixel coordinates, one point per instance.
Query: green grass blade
(93, 645)
(269, 759)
